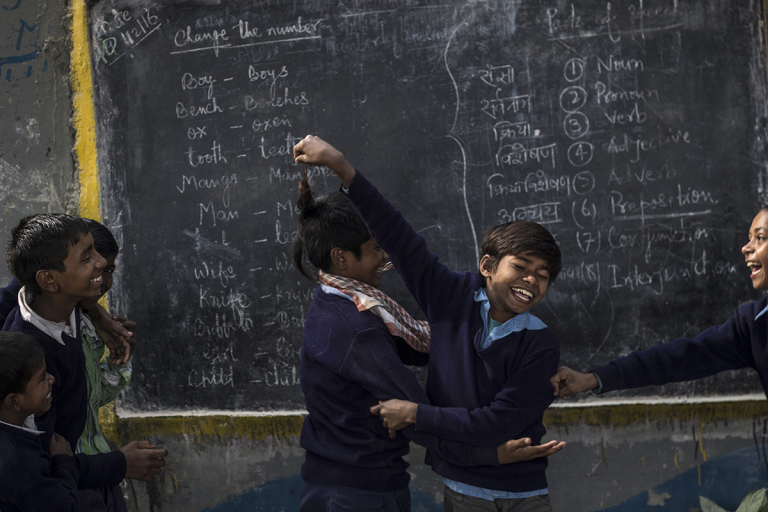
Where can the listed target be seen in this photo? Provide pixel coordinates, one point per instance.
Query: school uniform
(8, 299)
(31, 479)
(482, 394)
(740, 342)
(349, 362)
(65, 360)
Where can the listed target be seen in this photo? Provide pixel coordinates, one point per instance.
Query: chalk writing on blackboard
(616, 125)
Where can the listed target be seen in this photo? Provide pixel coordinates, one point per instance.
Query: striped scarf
(398, 321)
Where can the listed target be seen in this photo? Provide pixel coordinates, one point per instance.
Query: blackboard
(635, 131)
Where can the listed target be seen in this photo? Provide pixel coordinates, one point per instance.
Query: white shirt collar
(29, 425)
(52, 329)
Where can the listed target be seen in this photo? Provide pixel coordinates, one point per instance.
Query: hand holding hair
(313, 150)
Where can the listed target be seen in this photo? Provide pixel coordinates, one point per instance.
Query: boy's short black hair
(324, 223)
(42, 242)
(103, 240)
(20, 357)
(521, 237)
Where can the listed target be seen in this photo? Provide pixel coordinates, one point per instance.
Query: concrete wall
(638, 456)
(620, 457)
(37, 170)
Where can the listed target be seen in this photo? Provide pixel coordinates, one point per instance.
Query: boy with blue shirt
(490, 360)
(32, 479)
(54, 258)
(355, 343)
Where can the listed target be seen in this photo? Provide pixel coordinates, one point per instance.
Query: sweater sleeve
(409, 355)
(100, 470)
(429, 281)
(719, 348)
(51, 487)
(373, 363)
(517, 406)
(9, 299)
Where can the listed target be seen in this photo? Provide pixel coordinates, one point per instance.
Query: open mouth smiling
(755, 267)
(522, 294)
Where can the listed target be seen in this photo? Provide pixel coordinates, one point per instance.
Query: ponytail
(306, 204)
(325, 222)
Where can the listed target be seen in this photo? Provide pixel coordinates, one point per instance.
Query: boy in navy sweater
(32, 480)
(741, 342)
(489, 359)
(355, 342)
(54, 258)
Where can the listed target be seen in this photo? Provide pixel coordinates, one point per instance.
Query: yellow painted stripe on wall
(84, 118)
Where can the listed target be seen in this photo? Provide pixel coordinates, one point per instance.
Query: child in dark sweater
(741, 342)
(489, 358)
(355, 342)
(32, 479)
(54, 258)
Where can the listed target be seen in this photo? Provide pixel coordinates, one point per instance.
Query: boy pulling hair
(355, 342)
(490, 359)
(32, 480)
(55, 259)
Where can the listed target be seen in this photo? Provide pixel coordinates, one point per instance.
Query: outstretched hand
(518, 450)
(313, 150)
(143, 460)
(567, 382)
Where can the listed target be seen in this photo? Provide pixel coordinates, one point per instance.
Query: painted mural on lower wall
(725, 481)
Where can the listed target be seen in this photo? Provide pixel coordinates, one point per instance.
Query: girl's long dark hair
(324, 223)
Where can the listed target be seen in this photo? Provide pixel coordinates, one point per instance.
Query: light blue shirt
(493, 331)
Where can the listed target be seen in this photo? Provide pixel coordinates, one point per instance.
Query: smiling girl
(741, 342)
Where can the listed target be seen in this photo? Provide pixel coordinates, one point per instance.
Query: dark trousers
(337, 498)
(455, 502)
(105, 499)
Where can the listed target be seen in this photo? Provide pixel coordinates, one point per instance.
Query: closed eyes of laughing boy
(514, 285)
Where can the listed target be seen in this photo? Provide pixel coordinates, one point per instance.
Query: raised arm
(430, 282)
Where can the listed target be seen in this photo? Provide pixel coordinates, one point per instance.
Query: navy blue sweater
(349, 362)
(486, 396)
(9, 299)
(69, 408)
(741, 342)
(30, 479)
